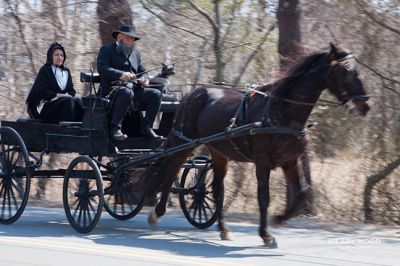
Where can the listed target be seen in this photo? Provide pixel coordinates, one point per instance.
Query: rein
(326, 102)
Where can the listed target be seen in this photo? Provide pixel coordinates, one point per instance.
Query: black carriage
(105, 174)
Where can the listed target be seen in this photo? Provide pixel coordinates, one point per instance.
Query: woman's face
(58, 57)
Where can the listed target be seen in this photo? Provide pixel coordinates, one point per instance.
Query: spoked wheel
(15, 175)
(122, 196)
(198, 203)
(83, 194)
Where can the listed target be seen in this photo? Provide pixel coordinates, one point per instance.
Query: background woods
(354, 161)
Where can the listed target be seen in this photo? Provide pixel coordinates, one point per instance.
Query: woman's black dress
(44, 90)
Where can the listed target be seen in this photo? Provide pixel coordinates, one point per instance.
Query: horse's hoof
(225, 235)
(277, 220)
(270, 243)
(152, 219)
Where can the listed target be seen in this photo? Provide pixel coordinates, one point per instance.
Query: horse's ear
(334, 48)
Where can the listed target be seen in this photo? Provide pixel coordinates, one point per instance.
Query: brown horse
(286, 104)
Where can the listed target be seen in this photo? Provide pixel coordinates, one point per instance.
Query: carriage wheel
(15, 175)
(83, 194)
(198, 203)
(122, 197)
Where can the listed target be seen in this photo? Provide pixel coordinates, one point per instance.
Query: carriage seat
(70, 124)
(61, 123)
(95, 78)
(29, 120)
(90, 77)
(170, 97)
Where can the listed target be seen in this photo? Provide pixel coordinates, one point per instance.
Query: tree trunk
(112, 14)
(219, 58)
(289, 49)
(288, 16)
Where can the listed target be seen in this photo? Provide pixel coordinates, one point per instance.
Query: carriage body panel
(89, 137)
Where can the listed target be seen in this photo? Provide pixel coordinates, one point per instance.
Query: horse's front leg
(263, 174)
(295, 195)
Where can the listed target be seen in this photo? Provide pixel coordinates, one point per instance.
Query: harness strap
(236, 148)
(241, 110)
(180, 135)
(299, 133)
(265, 115)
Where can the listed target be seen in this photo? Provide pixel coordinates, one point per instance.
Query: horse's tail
(161, 174)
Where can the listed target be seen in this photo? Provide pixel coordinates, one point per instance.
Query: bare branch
(230, 23)
(171, 24)
(11, 100)
(390, 89)
(250, 58)
(372, 181)
(378, 73)
(80, 3)
(173, 11)
(374, 17)
(21, 31)
(205, 14)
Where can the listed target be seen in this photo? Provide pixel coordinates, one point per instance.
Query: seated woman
(51, 98)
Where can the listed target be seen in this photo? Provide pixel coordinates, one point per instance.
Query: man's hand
(127, 76)
(143, 81)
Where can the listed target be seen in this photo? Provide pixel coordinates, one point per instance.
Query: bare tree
(222, 27)
(112, 14)
(289, 48)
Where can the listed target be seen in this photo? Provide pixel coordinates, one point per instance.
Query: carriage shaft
(226, 134)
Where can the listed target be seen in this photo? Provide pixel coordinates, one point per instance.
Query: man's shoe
(118, 135)
(150, 134)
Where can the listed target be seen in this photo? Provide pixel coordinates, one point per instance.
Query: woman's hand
(60, 95)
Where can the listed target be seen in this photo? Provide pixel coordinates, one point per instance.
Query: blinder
(344, 70)
(348, 68)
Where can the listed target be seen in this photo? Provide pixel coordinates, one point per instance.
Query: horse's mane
(279, 87)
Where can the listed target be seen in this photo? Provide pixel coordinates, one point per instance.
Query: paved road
(43, 237)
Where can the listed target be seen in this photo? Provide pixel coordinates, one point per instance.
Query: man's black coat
(111, 64)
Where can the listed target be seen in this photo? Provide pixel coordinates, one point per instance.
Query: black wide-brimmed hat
(128, 30)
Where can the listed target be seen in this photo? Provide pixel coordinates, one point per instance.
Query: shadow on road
(173, 234)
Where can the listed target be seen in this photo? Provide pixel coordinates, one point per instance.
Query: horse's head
(344, 81)
(167, 70)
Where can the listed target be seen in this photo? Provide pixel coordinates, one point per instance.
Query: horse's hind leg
(295, 196)
(172, 166)
(220, 167)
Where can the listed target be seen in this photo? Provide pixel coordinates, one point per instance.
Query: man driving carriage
(123, 78)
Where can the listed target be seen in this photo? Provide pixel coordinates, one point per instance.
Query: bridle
(345, 97)
(349, 63)
(345, 62)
